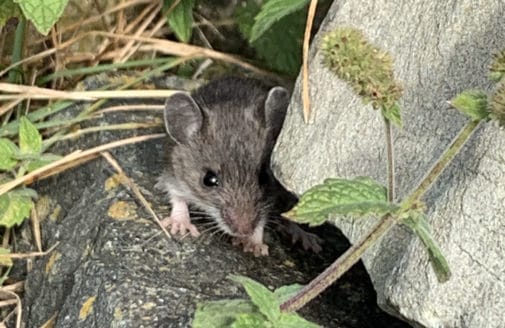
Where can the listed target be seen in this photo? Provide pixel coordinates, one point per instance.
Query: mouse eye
(210, 179)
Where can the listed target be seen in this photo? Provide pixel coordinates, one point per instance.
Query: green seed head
(497, 68)
(367, 69)
(497, 104)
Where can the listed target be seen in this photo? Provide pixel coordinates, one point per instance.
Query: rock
(113, 267)
(440, 48)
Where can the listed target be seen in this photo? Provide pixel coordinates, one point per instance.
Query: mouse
(221, 137)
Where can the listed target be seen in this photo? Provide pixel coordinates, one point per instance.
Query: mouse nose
(239, 222)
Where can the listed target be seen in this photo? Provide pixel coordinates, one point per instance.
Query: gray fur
(240, 121)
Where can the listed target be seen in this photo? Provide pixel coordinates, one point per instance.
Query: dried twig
(127, 182)
(31, 92)
(305, 66)
(76, 155)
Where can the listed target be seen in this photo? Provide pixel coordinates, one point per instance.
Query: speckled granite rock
(440, 49)
(113, 267)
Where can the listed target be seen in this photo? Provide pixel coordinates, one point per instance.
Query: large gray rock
(440, 48)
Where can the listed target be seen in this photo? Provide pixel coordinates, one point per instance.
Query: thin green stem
(441, 164)
(102, 68)
(354, 253)
(339, 267)
(390, 159)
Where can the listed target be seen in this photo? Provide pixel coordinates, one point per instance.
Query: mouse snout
(241, 223)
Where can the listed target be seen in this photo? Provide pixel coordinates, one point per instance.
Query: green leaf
(30, 140)
(8, 9)
(361, 196)
(180, 18)
(261, 296)
(271, 12)
(280, 48)
(15, 206)
(42, 13)
(472, 103)
(293, 320)
(44, 160)
(393, 115)
(7, 151)
(419, 225)
(284, 293)
(252, 320)
(223, 313)
(5, 260)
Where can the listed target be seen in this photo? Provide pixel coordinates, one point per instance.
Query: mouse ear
(275, 110)
(183, 118)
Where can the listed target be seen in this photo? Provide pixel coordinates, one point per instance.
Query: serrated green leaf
(24, 192)
(14, 208)
(223, 313)
(271, 12)
(284, 293)
(280, 48)
(393, 115)
(419, 225)
(261, 296)
(43, 13)
(360, 196)
(7, 151)
(5, 260)
(293, 320)
(252, 320)
(244, 15)
(180, 19)
(44, 160)
(472, 103)
(8, 9)
(30, 140)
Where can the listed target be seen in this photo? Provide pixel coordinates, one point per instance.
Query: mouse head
(224, 135)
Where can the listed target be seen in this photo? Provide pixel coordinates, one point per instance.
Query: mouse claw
(180, 226)
(258, 250)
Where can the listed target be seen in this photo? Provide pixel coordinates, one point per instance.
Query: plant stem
(354, 253)
(339, 267)
(390, 159)
(441, 164)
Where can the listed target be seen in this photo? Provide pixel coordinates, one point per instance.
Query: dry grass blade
(182, 50)
(31, 92)
(112, 127)
(17, 287)
(79, 154)
(5, 108)
(32, 254)
(139, 107)
(305, 65)
(145, 24)
(36, 229)
(79, 25)
(19, 308)
(127, 182)
(64, 167)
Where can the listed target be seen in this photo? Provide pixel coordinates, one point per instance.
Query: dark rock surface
(113, 267)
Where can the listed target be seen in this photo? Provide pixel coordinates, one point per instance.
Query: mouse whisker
(211, 227)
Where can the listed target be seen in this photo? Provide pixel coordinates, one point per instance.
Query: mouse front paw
(258, 249)
(180, 225)
(308, 240)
